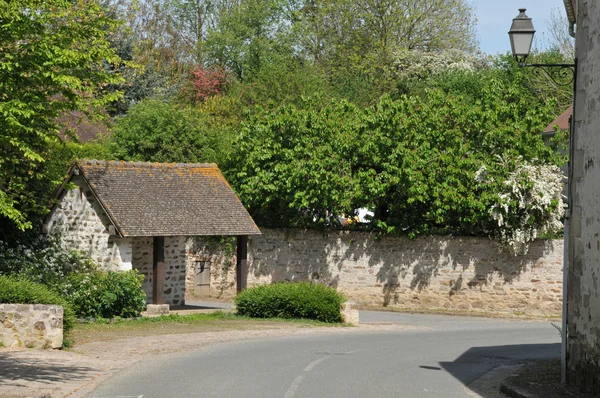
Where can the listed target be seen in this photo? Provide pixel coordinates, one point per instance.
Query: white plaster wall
(583, 344)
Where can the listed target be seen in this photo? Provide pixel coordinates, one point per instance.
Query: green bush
(17, 290)
(291, 300)
(42, 260)
(102, 294)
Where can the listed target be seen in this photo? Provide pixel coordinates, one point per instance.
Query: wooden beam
(158, 270)
(241, 266)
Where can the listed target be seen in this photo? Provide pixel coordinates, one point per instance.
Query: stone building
(583, 296)
(127, 215)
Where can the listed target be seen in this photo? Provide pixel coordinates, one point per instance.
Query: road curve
(440, 360)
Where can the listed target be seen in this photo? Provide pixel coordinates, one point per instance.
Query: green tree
(163, 132)
(414, 161)
(290, 167)
(53, 57)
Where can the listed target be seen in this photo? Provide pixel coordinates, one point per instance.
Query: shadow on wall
(423, 259)
(393, 265)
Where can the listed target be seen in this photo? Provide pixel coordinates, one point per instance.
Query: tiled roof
(166, 199)
(562, 121)
(570, 8)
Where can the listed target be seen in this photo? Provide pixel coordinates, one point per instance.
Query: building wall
(583, 344)
(433, 272)
(82, 225)
(219, 253)
(175, 267)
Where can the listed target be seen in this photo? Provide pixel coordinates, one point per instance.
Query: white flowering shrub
(530, 203)
(42, 260)
(418, 64)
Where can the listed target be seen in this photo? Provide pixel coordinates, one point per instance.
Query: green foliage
(45, 72)
(163, 132)
(15, 290)
(102, 294)
(291, 300)
(413, 161)
(291, 166)
(42, 260)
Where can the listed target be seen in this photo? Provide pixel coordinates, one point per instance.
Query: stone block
(32, 326)
(157, 309)
(349, 314)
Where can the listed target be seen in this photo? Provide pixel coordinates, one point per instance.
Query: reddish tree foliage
(207, 82)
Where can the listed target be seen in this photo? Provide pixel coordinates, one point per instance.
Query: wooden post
(158, 270)
(241, 266)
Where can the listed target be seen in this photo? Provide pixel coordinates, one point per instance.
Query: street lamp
(521, 36)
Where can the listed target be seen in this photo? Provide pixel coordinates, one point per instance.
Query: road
(441, 359)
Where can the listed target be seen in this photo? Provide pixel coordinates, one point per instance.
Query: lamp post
(521, 36)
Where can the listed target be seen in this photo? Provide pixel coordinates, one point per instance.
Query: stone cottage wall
(175, 263)
(142, 249)
(82, 225)
(220, 253)
(433, 272)
(583, 344)
(31, 325)
(175, 267)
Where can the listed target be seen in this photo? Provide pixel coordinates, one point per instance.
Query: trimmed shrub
(291, 300)
(102, 294)
(15, 290)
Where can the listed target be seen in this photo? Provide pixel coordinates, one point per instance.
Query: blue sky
(494, 19)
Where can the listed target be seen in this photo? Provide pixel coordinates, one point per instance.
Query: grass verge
(174, 324)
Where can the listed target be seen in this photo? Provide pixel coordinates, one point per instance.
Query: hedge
(291, 300)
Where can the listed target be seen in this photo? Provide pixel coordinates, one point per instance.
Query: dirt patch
(542, 379)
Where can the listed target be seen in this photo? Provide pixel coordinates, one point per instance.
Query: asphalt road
(441, 360)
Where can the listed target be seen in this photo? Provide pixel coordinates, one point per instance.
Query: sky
(495, 17)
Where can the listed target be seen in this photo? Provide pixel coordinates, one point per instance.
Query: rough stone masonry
(462, 273)
(31, 325)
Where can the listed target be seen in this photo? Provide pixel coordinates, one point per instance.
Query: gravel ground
(542, 379)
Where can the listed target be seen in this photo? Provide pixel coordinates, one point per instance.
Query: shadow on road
(468, 369)
(22, 372)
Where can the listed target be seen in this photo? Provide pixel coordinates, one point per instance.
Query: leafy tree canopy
(54, 57)
(413, 161)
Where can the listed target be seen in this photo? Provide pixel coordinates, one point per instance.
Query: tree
(53, 57)
(156, 131)
(291, 168)
(413, 161)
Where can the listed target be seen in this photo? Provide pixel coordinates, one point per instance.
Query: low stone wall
(31, 325)
(462, 273)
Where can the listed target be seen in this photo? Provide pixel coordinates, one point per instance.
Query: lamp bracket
(560, 74)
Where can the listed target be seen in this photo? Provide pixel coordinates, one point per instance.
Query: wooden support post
(158, 270)
(241, 267)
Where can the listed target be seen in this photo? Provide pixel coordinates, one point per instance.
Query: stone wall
(220, 254)
(142, 252)
(175, 263)
(83, 226)
(583, 344)
(31, 326)
(434, 272)
(175, 267)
